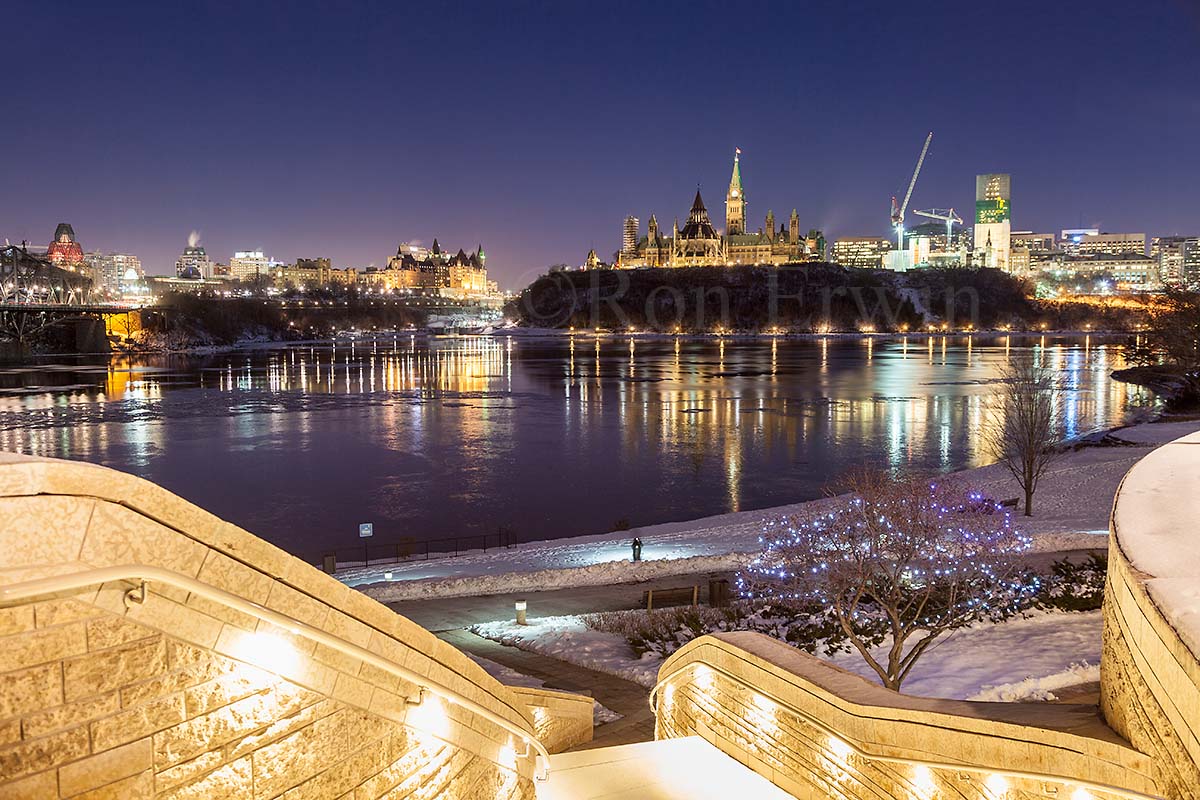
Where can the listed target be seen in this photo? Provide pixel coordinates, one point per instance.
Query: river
(429, 439)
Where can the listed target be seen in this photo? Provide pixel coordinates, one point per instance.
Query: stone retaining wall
(755, 698)
(180, 696)
(1149, 677)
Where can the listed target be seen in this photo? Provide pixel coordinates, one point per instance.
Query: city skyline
(316, 135)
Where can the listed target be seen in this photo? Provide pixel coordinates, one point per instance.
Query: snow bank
(605, 574)
(1032, 689)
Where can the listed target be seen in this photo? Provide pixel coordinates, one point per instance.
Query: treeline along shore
(806, 298)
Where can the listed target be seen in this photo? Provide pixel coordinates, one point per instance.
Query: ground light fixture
(520, 607)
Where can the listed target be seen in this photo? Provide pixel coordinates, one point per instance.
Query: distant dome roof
(131, 274)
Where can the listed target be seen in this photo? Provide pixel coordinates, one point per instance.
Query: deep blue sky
(342, 129)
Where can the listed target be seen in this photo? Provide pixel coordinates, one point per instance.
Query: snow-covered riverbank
(1071, 512)
(976, 663)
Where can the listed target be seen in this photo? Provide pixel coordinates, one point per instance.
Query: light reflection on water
(559, 437)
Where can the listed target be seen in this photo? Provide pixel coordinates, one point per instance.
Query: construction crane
(947, 216)
(898, 212)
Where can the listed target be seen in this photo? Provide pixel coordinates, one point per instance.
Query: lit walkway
(664, 770)
(449, 613)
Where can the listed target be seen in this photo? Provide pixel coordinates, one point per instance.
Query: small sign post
(365, 531)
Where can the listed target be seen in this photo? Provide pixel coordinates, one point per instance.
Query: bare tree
(1025, 437)
(896, 564)
(1173, 336)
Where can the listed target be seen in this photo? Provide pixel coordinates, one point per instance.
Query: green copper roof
(735, 182)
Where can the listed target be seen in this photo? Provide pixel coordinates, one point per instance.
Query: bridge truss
(35, 293)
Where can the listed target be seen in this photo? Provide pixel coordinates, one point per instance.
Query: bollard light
(520, 606)
(387, 576)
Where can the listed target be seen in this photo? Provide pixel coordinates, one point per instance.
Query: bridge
(36, 294)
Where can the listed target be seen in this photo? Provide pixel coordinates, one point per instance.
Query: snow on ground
(568, 639)
(1022, 659)
(510, 677)
(1071, 511)
(1042, 688)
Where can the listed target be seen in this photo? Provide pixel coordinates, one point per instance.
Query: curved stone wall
(817, 731)
(1149, 672)
(180, 696)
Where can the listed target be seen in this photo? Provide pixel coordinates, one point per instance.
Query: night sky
(342, 129)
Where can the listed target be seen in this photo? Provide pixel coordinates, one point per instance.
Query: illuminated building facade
(700, 244)
(436, 271)
(1071, 237)
(865, 252)
(312, 272)
(64, 251)
(251, 265)
(1171, 253)
(1034, 242)
(1128, 272)
(110, 270)
(993, 220)
(1114, 244)
(1190, 264)
(193, 263)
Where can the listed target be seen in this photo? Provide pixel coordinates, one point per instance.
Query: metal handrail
(145, 574)
(1130, 794)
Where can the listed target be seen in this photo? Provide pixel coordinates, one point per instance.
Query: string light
(952, 548)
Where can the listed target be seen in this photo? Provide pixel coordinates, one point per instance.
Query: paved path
(448, 613)
(626, 698)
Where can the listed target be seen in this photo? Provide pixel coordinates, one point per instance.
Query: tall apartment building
(993, 219)
(109, 270)
(1168, 252)
(866, 252)
(1190, 264)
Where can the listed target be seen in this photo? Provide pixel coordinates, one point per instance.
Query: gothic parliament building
(699, 244)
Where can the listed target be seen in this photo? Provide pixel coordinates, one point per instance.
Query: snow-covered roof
(1156, 520)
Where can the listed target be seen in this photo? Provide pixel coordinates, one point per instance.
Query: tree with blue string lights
(896, 564)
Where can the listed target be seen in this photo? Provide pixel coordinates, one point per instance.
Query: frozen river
(545, 437)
